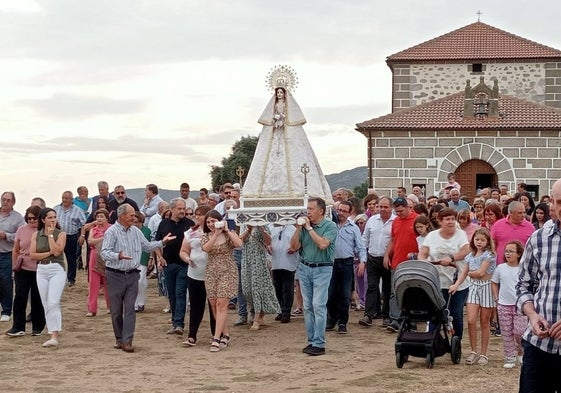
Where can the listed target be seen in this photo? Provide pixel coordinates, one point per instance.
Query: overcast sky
(145, 91)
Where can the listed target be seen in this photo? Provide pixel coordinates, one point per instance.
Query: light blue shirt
(71, 219)
(349, 243)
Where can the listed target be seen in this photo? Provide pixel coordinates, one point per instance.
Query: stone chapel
(479, 102)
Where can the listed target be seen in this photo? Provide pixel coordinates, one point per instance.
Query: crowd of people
(335, 263)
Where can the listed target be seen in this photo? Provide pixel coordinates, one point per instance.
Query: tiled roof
(447, 113)
(476, 41)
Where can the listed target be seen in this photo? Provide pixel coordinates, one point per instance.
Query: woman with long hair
(47, 246)
(221, 276)
(540, 215)
(25, 278)
(492, 213)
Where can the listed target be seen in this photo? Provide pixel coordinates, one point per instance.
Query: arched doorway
(474, 174)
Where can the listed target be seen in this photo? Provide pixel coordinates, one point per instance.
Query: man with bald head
(513, 227)
(538, 297)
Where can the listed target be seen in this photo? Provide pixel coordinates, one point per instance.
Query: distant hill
(346, 179)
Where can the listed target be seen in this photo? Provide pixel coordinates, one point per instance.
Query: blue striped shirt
(349, 242)
(71, 219)
(539, 281)
(130, 241)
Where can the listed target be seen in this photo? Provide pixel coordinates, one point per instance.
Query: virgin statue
(282, 151)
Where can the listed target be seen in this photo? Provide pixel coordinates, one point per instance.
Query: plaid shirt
(539, 281)
(71, 219)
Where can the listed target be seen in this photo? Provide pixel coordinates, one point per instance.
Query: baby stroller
(417, 289)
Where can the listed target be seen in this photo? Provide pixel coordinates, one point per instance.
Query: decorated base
(264, 211)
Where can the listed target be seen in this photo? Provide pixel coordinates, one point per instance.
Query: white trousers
(51, 280)
(142, 287)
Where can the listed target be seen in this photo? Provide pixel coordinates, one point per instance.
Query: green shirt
(310, 252)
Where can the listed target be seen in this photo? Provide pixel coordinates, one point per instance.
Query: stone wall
(414, 84)
(426, 157)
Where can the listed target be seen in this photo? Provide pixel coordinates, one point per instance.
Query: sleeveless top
(43, 246)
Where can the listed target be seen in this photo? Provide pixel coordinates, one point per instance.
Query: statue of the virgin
(283, 149)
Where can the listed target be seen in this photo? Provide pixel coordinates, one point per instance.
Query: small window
(534, 190)
(478, 67)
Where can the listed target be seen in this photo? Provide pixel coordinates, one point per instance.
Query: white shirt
(507, 277)
(377, 235)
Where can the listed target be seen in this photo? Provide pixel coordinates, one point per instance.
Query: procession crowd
(497, 255)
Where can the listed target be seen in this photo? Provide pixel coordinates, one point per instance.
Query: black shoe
(316, 351)
(386, 322)
(139, 309)
(278, 317)
(365, 321)
(393, 327)
(15, 332)
(342, 329)
(285, 318)
(36, 332)
(307, 349)
(329, 326)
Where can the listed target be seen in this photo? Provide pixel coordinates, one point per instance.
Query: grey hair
(102, 183)
(174, 201)
(513, 205)
(122, 209)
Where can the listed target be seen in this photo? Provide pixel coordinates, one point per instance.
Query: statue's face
(280, 93)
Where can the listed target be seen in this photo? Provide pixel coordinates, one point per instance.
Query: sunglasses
(32, 218)
(119, 193)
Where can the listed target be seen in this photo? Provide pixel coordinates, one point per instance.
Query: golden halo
(282, 76)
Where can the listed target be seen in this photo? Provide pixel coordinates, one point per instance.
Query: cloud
(68, 106)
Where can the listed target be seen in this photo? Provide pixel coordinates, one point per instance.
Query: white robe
(276, 167)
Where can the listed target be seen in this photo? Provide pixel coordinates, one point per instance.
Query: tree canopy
(241, 156)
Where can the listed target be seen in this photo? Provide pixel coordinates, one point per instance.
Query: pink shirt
(504, 231)
(23, 238)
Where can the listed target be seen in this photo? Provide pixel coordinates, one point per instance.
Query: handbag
(99, 266)
(19, 263)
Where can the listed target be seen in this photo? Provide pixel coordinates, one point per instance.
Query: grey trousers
(122, 289)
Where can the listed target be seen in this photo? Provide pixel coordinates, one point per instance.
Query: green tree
(361, 190)
(241, 156)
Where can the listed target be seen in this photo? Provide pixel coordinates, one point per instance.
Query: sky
(144, 91)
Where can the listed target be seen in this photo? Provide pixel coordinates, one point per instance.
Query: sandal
(224, 341)
(470, 359)
(190, 342)
(483, 360)
(215, 345)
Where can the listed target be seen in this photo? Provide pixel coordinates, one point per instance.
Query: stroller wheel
(456, 349)
(400, 359)
(429, 360)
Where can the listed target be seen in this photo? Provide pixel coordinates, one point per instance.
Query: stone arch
(476, 151)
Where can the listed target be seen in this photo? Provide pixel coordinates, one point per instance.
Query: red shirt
(404, 238)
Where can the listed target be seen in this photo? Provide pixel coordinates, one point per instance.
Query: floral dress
(221, 275)
(257, 285)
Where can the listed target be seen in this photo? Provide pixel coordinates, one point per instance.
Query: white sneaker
(510, 362)
(519, 357)
(5, 318)
(53, 342)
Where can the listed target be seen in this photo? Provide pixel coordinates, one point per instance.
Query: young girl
(503, 284)
(422, 226)
(481, 265)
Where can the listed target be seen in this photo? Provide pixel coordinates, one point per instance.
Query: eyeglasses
(227, 193)
(189, 214)
(119, 193)
(32, 218)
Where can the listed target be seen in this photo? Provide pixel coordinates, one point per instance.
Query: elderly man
(455, 202)
(151, 202)
(103, 189)
(317, 250)
(122, 247)
(119, 198)
(175, 269)
(539, 298)
(376, 237)
(512, 227)
(71, 219)
(10, 221)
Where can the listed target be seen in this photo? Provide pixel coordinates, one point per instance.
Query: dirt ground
(268, 360)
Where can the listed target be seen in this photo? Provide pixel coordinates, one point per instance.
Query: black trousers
(197, 300)
(283, 281)
(26, 282)
(377, 305)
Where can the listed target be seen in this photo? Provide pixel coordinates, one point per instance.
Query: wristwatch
(52, 236)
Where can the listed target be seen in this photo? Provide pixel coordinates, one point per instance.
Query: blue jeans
(340, 292)
(314, 285)
(540, 371)
(176, 282)
(6, 283)
(456, 307)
